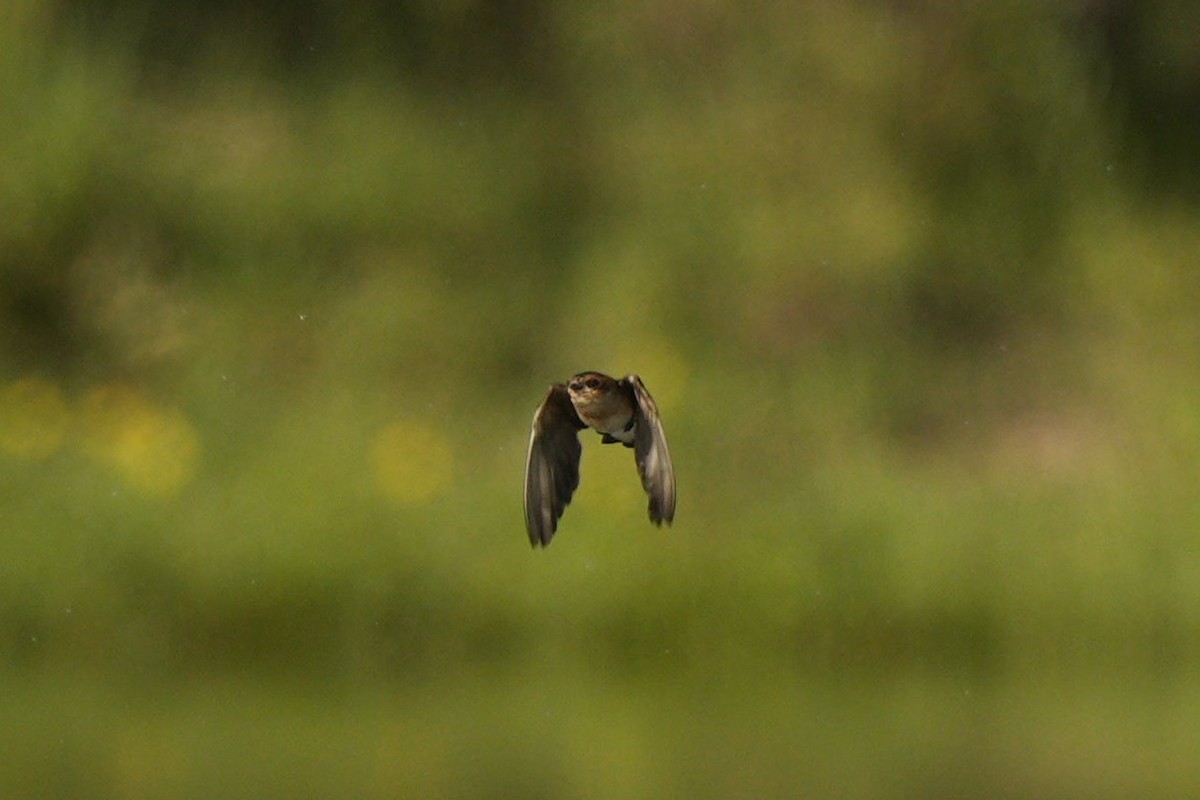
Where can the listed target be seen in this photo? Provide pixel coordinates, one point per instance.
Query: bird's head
(589, 387)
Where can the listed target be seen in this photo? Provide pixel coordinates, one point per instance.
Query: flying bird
(620, 410)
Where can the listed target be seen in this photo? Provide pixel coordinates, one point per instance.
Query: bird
(621, 411)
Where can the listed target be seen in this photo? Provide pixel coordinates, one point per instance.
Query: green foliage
(912, 284)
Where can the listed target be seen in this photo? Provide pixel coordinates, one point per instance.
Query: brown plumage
(620, 411)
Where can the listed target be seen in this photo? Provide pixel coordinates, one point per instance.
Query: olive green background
(915, 287)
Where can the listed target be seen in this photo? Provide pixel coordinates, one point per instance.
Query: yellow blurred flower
(34, 418)
(154, 449)
(412, 460)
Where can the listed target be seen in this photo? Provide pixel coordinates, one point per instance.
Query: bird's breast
(606, 414)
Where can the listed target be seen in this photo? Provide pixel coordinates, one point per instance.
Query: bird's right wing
(552, 467)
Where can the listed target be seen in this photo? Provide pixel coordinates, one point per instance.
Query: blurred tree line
(887, 176)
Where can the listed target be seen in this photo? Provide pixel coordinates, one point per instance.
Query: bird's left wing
(552, 466)
(653, 457)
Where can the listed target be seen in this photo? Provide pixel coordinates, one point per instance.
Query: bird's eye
(592, 383)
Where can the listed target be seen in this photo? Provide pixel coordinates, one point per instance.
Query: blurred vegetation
(914, 284)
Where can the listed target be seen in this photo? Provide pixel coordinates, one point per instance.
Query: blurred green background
(915, 286)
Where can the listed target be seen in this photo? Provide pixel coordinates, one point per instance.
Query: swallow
(621, 411)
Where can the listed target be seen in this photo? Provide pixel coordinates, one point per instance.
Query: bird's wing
(653, 457)
(552, 467)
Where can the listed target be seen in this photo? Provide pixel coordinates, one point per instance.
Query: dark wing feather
(552, 467)
(653, 457)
